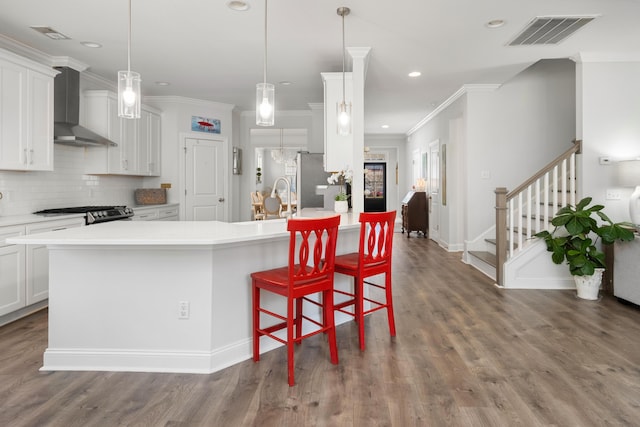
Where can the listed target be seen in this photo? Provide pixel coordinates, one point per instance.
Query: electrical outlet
(613, 194)
(183, 310)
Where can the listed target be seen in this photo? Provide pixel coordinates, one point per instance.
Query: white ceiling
(208, 51)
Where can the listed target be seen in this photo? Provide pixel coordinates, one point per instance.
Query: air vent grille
(51, 33)
(550, 29)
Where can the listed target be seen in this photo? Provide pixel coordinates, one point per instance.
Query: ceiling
(207, 51)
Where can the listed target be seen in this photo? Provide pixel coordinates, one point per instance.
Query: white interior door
(433, 184)
(204, 180)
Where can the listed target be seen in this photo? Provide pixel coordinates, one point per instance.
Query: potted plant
(571, 242)
(342, 198)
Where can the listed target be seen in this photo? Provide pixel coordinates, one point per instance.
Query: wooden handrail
(576, 148)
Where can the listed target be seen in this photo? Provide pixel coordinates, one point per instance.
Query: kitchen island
(162, 296)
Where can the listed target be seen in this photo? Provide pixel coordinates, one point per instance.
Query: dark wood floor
(466, 354)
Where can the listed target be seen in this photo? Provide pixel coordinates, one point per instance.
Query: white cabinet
(24, 270)
(12, 271)
(338, 149)
(37, 277)
(138, 149)
(156, 213)
(26, 114)
(626, 270)
(148, 143)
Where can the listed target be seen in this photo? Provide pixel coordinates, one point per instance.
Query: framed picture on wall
(203, 124)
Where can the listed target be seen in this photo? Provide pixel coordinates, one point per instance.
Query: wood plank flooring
(466, 354)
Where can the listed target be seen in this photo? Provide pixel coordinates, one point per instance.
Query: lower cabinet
(24, 270)
(156, 213)
(12, 271)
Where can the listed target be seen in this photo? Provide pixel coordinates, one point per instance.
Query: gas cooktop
(94, 214)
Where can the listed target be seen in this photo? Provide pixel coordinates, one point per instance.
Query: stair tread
(487, 257)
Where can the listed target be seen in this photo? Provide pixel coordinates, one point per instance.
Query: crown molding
(188, 101)
(464, 89)
(586, 57)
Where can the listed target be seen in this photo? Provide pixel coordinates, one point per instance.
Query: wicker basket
(151, 196)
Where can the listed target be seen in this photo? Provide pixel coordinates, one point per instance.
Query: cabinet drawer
(145, 215)
(166, 213)
(62, 224)
(7, 232)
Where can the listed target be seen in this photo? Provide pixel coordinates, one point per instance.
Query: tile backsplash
(67, 185)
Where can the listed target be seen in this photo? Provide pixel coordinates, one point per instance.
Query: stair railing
(528, 209)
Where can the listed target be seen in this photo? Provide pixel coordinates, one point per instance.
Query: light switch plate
(613, 194)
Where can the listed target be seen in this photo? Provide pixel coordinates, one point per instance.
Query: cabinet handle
(31, 156)
(25, 160)
(58, 229)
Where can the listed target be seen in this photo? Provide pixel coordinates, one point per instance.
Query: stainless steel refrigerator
(311, 179)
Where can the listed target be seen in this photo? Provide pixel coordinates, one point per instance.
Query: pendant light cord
(129, 42)
(343, 60)
(265, 42)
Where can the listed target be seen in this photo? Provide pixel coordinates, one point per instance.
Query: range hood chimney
(66, 113)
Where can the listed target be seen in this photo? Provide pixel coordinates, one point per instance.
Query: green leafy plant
(341, 197)
(571, 239)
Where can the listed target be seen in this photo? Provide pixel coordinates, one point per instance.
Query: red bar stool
(373, 258)
(312, 250)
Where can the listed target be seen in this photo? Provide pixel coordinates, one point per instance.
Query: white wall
(609, 125)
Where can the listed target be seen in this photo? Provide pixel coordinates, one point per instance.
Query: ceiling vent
(51, 33)
(550, 29)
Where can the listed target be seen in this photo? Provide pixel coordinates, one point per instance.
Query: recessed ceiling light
(93, 45)
(163, 83)
(238, 5)
(415, 74)
(385, 126)
(495, 23)
(285, 83)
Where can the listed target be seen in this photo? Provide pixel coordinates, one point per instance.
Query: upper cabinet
(338, 149)
(138, 149)
(26, 114)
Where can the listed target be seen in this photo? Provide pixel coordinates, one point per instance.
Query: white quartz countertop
(173, 232)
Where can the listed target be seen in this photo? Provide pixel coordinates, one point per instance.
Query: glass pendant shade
(265, 104)
(129, 94)
(344, 118)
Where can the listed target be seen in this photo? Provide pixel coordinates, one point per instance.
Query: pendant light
(265, 92)
(129, 85)
(343, 109)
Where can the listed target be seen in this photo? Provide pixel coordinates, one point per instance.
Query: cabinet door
(40, 119)
(154, 144)
(37, 263)
(13, 114)
(12, 270)
(126, 162)
(148, 144)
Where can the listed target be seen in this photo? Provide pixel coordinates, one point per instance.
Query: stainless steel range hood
(66, 112)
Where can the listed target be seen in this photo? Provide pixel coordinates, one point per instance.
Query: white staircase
(509, 252)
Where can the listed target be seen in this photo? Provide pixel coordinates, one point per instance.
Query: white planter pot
(588, 286)
(341, 206)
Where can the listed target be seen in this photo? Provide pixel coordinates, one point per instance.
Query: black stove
(93, 214)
